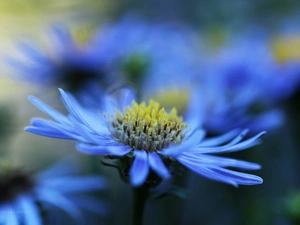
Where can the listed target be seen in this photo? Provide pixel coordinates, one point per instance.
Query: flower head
(140, 49)
(63, 63)
(148, 138)
(23, 196)
(244, 84)
(147, 127)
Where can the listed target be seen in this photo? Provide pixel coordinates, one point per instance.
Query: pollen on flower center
(148, 127)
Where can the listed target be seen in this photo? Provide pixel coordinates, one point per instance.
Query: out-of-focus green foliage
(293, 208)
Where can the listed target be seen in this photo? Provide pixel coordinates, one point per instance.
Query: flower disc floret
(148, 126)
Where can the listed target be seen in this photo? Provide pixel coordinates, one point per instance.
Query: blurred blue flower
(24, 198)
(244, 83)
(141, 49)
(148, 137)
(65, 63)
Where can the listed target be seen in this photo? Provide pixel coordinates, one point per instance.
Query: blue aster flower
(64, 63)
(24, 197)
(147, 138)
(244, 84)
(258, 63)
(138, 48)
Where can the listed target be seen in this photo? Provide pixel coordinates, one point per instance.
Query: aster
(245, 83)
(63, 62)
(26, 198)
(147, 138)
(140, 48)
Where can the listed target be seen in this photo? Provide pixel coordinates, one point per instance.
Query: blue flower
(64, 63)
(141, 49)
(24, 196)
(149, 137)
(244, 84)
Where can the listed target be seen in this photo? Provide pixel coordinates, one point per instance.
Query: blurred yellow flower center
(83, 35)
(286, 48)
(148, 126)
(173, 97)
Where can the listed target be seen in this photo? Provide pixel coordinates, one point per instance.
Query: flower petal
(194, 115)
(65, 167)
(56, 199)
(8, 215)
(140, 168)
(103, 150)
(47, 133)
(236, 140)
(219, 161)
(87, 134)
(61, 38)
(229, 147)
(127, 96)
(186, 144)
(220, 174)
(220, 139)
(76, 184)
(91, 121)
(35, 54)
(59, 117)
(51, 129)
(156, 163)
(31, 212)
(91, 204)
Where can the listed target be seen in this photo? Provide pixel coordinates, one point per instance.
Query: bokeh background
(214, 23)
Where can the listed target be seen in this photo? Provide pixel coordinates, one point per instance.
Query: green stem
(139, 195)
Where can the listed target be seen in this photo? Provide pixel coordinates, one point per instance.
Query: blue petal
(56, 199)
(127, 97)
(220, 174)
(229, 147)
(219, 161)
(140, 168)
(269, 120)
(220, 139)
(47, 133)
(195, 112)
(187, 143)
(86, 133)
(55, 130)
(8, 215)
(66, 166)
(91, 204)
(103, 150)
(49, 110)
(158, 166)
(76, 184)
(109, 104)
(31, 212)
(91, 121)
(33, 52)
(237, 139)
(62, 36)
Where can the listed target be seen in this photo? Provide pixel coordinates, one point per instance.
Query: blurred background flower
(33, 199)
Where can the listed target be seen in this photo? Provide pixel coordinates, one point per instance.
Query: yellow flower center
(173, 97)
(148, 127)
(286, 48)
